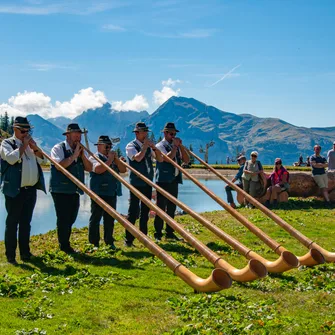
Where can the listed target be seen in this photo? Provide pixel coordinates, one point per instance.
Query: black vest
(104, 183)
(144, 167)
(11, 175)
(165, 172)
(59, 183)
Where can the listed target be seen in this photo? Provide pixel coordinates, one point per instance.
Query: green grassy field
(131, 292)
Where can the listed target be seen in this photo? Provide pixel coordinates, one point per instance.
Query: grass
(129, 291)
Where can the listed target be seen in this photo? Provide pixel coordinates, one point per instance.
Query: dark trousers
(167, 206)
(136, 211)
(19, 214)
(67, 207)
(94, 224)
(228, 189)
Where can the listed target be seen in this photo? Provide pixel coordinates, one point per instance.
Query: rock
(303, 185)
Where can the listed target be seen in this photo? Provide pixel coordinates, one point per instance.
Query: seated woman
(279, 183)
(251, 177)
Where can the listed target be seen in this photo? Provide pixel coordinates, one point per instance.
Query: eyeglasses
(253, 156)
(170, 133)
(108, 146)
(278, 163)
(24, 131)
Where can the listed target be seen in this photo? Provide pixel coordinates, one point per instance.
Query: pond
(44, 218)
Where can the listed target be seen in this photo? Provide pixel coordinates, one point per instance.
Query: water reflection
(44, 218)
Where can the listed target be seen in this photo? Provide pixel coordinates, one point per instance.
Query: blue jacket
(11, 175)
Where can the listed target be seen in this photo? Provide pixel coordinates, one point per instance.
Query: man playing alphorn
(140, 153)
(21, 176)
(169, 177)
(70, 155)
(104, 184)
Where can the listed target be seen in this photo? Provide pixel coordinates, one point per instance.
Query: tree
(11, 124)
(191, 157)
(5, 122)
(159, 139)
(119, 152)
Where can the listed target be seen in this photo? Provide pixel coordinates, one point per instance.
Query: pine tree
(5, 122)
(191, 157)
(119, 152)
(11, 124)
(159, 139)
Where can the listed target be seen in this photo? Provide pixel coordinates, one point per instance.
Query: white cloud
(170, 82)
(31, 103)
(193, 34)
(166, 93)
(38, 103)
(10, 110)
(44, 67)
(83, 100)
(138, 103)
(112, 27)
(227, 75)
(83, 7)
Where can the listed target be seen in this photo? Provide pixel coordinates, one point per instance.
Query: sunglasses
(253, 156)
(108, 146)
(171, 133)
(24, 131)
(278, 163)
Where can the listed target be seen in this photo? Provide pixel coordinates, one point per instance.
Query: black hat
(21, 122)
(73, 127)
(140, 126)
(103, 139)
(170, 126)
(240, 157)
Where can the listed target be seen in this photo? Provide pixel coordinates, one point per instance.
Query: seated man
(241, 161)
(279, 183)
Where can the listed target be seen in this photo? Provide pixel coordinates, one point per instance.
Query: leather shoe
(26, 257)
(11, 260)
(173, 237)
(69, 250)
(128, 244)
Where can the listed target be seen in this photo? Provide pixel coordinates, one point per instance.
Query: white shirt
(131, 150)
(29, 175)
(162, 147)
(57, 152)
(94, 162)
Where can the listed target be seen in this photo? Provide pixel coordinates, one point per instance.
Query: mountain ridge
(200, 123)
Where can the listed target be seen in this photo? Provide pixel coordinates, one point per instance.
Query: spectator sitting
(279, 183)
(319, 164)
(331, 158)
(241, 161)
(251, 181)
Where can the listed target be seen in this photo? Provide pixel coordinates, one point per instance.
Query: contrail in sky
(226, 75)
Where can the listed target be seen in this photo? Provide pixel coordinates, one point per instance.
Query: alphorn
(285, 262)
(218, 280)
(313, 257)
(308, 243)
(254, 270)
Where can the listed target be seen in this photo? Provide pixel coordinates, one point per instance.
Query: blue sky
(276, 58)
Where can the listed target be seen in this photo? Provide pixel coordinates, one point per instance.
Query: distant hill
(60, 121)
(44, 132)
(106, 121)
(198, 124)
